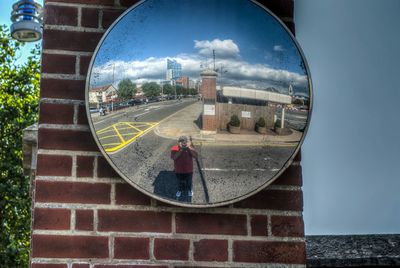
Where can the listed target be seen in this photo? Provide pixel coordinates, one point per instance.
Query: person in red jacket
(183, 155)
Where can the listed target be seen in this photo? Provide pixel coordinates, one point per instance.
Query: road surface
(144, 157)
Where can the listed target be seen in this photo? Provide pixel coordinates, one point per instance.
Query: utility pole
(214, 58)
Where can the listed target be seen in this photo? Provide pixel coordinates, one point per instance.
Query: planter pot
(261, 130)
(234, 130)
(283, 131)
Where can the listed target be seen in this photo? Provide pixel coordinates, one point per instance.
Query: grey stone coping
(353, 250)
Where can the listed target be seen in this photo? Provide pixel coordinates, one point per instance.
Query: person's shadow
(166, 185)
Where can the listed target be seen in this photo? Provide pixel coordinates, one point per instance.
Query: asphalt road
(229, 171)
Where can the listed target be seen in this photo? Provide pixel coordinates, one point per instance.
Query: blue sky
(172, 27)
(351, 152)
(188, 31)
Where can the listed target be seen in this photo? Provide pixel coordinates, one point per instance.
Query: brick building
(85, 215)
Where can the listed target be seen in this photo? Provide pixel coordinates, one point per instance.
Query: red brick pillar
(84, 215)
(208, 90)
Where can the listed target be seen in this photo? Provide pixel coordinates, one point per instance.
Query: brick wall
(208, 90)
(84, 215)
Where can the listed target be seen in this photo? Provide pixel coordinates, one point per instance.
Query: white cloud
(278, 48)
(223, 48)
(238, 72)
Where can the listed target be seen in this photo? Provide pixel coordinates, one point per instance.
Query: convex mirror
(199, 103)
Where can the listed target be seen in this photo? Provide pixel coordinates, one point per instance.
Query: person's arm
(193, 152)
(176, 154)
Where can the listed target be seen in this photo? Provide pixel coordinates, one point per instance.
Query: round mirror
(198, 103)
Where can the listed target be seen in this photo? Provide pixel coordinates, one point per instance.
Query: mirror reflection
(198, 102)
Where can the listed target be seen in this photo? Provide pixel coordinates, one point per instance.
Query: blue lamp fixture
(27, 21)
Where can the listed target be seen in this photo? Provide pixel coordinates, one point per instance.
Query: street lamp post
(27, 21)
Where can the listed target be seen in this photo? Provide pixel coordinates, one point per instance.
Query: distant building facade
(174, 70)
(100, 95)
(183, 81)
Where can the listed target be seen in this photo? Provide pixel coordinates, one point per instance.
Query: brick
(73, 140)
(281, 8)
(104, 169)
(109, 16)
(87, 2)
(61, 64)
(125, 194)
(51, 219)
(291, 176)
(60, 15)
(80, 265)
(82, 117)
(211, 250)
(84, 220)
(59, 246)
(84, 64)
(171, 249)
(48, 265)
(131, 248)
(90, 17)
(70, 40)
(54, 165)
(259, 225)
(274, 199)
(275, 252)
(51, 113)
(84, 166)
(287, 226)
(62, 89)
(128, 3)
(72, 192)
(197, 223)
(134, 221)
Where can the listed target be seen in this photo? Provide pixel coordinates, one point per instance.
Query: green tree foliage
(151, 89)
(180, 90)
(168, 89)
(126, 89)
(19, 87)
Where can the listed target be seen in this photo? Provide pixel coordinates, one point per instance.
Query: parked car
(135, 102)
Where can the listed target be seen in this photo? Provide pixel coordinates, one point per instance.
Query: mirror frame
(200, 205)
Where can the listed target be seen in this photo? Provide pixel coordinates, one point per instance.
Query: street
(230, 171)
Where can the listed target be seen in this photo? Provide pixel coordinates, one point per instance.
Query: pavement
(184, 123)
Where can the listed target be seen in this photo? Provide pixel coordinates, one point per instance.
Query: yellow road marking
(122, 130)
(110, 144)
(107, 129)
(132, 126)
(119, 135)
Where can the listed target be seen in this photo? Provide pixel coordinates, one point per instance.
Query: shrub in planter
(261, 126)
(277, 127)
(234, 121)
(277, 124)
(234, 124)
